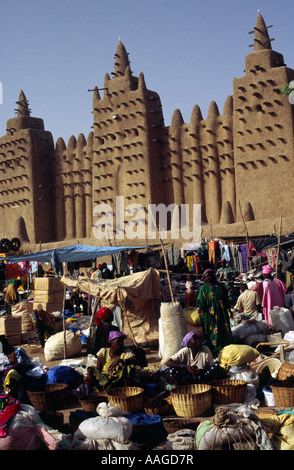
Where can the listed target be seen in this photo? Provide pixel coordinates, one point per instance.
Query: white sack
(174, 328)
(54, 346)
(281, 319)
(117, 429)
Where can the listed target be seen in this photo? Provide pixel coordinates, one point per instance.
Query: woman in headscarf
(103, 326)
(274, 291)
(191, 363)
(116, 365)
(213, 306)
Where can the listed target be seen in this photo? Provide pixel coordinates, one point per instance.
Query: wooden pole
(63, 320)
(165, 260)
(279, 245)
(246, 230)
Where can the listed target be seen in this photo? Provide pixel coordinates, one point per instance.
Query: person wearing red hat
(274, 291)
(99, 334)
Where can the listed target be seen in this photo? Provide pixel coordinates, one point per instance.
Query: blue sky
(188, 50)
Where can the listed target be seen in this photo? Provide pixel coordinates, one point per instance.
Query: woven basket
(191, 400)
(49, 397)
(228, 391)
(286, 370)
(284, 396)
(91, 402)
(129, 399)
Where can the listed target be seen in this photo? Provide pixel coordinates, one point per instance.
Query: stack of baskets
(90, 402)
(191, 401)
(283, 387)
(129, 399)
(50, 397)
(228, 391)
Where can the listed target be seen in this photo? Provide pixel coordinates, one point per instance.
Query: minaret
(263, 131)
(121, 60)
(23, 105)
(261, 36)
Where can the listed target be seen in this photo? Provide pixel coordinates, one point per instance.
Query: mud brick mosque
(237, 164)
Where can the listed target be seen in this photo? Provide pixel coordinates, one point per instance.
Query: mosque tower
(128, 126)
(26, 179)
(263, 132)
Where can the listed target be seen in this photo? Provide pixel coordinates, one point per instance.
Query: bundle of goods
(98, 433)
(56, 345)
(250, 332)
(23, 310)
(281, 320)
(27, 431)
(49, 294)
(183, 439)
(280, 429)
(229, 429)
(237, 355)
(172, 329)
(11, 328)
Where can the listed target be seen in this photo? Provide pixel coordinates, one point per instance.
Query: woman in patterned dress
(213, 307)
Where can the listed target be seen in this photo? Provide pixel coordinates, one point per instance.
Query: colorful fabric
(9, 406)
(108, 378)
(213, 301)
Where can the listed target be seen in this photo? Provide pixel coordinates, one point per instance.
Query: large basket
(228, 391)
(284, 396)
(50, 397)
(286, 370)
(191, 401)
(90, 402)
(129, 399)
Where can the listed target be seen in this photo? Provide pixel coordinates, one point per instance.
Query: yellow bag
(280, 430)
(236, 355)
(192, 316)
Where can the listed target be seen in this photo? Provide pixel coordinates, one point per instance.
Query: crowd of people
(196, 361)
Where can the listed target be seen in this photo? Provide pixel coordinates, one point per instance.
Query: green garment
(213, 300)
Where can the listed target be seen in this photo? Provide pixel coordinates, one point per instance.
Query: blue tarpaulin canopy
(71, 253)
